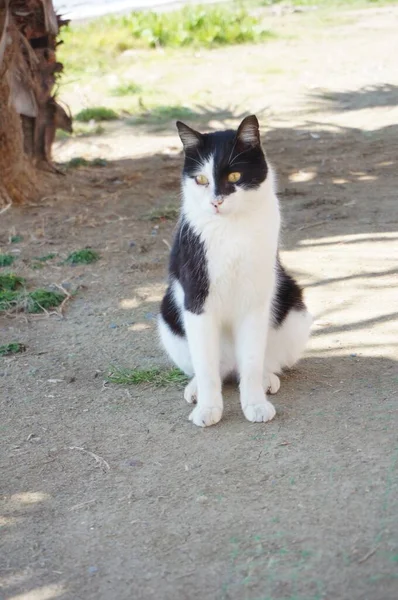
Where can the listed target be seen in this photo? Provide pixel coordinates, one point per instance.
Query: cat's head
(220, 168)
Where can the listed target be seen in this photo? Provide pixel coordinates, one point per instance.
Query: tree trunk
(29, 113)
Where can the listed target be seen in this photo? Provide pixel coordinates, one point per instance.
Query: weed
(79, 161)
(39, 300)
(92, 47)
(45, 258)
(62, 135)
(156, 377)
(76, 162)
(14, 297)
(12, 348)
(16, 238)
(99, 162)
(126, 89)
(96, 113)
(10, 282)
(82, 257)
(6, 260)
(169, 212)
(87, 129)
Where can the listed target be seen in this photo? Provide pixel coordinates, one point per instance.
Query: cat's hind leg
(176, 347)
(285, 345)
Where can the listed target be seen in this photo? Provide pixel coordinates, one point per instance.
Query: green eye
(234, 177)
(201, 180)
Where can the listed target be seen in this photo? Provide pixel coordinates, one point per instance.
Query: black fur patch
(188, 264)
(230, 155)
(171, 314)
(288, 295)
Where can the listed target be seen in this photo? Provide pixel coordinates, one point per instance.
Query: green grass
(96, 113)
(14, 296)
(163, 114)
(40, 300)
(12, 348)
(82, 257)
(16, 238)
(46, 257)
(154, 376)
(169, 212)
(330, 3)
(126, 89)
(92, 47)
(86, 129)
(79, 161)
(6, 260)
(10, 282)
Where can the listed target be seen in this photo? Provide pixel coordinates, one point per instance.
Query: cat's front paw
(257, 408)
(272, 383)
(205, 416)
(191, 392)
(258, 413)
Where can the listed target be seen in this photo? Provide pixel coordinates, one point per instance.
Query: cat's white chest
(241, 263)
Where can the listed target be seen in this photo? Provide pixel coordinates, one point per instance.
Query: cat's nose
(217, 201)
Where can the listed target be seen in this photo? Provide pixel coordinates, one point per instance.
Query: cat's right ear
(189, 137)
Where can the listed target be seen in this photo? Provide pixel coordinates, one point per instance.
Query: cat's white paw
(258, 413)
(205, 416)
(272, 383)
(191, 392)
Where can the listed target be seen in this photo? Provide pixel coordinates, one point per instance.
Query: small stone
(202, 499)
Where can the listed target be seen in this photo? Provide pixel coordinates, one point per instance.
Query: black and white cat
(230, 307)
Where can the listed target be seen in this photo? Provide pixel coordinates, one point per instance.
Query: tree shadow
(381, 95)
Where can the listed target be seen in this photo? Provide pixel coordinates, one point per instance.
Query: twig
(3, 210)
(68, 296)
(368, 555)
(312, 225)
(167, 244)
(81, 504)
(101, 462)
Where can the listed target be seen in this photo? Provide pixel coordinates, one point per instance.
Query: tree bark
(29, 113)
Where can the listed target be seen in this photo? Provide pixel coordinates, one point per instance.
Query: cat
(230, 307)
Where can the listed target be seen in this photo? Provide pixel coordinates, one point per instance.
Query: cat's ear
(189, 137)
(248, 131)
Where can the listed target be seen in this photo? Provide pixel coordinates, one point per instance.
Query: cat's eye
(201, 180)
(234, 177)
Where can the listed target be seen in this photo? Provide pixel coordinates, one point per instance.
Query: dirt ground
(302, 508)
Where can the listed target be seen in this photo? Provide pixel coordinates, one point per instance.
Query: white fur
(234, 332)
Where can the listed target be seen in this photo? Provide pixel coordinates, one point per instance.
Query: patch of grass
(126, 89)
(14, 296)
(169, 212)
(46, 257)
(98, 162)
(95, 45)
(6, 260)
(96, 113)
(76, 162)
(60, 134)
(87, 129)
(16, 238)
(82, 257)
(39, 300)
(79, 161)
(155, 377)
(38, 261)
(162, 114)
(31, 302)
(11, 282)
(12, 348)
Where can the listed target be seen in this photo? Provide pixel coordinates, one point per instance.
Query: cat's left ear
(189, 137)
(248, 131)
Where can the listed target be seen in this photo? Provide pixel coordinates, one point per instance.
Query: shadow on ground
(383, 95)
